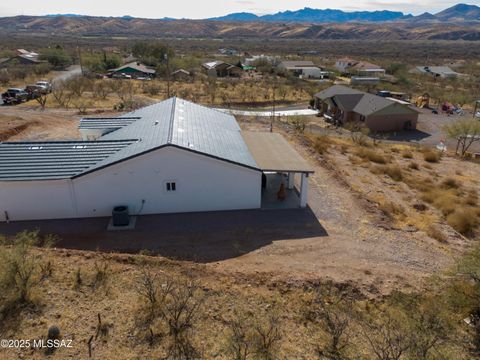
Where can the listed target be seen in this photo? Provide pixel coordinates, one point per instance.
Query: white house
(173, 156)
(359, 68)
(303, 69)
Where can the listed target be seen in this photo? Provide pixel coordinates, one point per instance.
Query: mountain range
(456, 13)
(460, 22)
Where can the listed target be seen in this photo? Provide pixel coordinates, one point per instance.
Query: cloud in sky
(195, 9)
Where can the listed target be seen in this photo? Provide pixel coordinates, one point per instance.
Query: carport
(278, 159)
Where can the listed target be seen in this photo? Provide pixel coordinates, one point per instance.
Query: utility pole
(274, 82)
(80, 59)
(168, 74)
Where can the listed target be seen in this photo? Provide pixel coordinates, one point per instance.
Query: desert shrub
(152, 88)
(267, 337)
(413, 166)
(464, 221)
(407, 155)
(239, 339)
(20, 271)
(386, 335)
(358, 132)
(329, 318)
(299, 123)
(391, 209)
(450, 183)
(444, 200)
(371, 155)
(321, 144)
(436, 234)
(432, 156)
(392, 171)
(101, 274)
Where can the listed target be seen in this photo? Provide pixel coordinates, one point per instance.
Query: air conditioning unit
(120, 216)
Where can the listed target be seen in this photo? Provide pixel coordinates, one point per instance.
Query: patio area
(270, 198)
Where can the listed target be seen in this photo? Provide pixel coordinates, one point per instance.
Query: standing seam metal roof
(21, 161)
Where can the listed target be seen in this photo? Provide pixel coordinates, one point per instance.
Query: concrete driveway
(268, 113)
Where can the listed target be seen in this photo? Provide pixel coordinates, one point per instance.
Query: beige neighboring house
(221, 69)
(181, 75)
(340, 105)
(303, 69)
(359, 68)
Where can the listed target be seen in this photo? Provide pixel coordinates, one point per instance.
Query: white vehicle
(44, 85)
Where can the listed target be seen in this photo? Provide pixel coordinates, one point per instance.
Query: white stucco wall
(203, 184)
(34, 200)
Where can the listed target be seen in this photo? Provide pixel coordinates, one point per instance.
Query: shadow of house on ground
(408, 135)
(202, 237)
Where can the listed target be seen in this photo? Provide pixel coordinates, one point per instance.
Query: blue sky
(197, 9)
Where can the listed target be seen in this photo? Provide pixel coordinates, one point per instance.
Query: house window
(171, 185)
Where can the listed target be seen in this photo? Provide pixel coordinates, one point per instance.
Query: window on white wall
(171, 186)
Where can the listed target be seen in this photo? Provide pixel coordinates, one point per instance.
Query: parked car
(34, 91)
(144, 78)
(14, 96)
(45, 86)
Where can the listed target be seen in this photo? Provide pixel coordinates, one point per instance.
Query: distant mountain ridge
(316, 15)
(456, 13)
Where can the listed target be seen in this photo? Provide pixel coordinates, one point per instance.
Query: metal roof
(106, 123)
(183, 124)
(53, 160)
(173, 122)
(273, 153)
(136, 66)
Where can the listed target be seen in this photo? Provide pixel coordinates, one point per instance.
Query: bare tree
(240, 337)
(329, 317)
(466, 132)
(267, 337)
(386, 336)
(42, 100)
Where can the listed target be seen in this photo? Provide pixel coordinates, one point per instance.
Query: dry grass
(393, 171)
(372, 155)
(432, 156)
(465, 221)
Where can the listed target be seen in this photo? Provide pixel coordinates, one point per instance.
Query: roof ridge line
(172, 119)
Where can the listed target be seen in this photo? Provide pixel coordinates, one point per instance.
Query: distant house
(341, 104)
(221, 69)
(22, 57)
(181, 75)
(302, 69)
(364, 80)
(444, 72)
(228, 52)
(134, 69)
(359, 68)
(249, 61)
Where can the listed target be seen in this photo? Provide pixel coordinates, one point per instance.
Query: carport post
(304, 190)
(291, 180)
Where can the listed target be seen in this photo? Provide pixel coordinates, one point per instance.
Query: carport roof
(273, 153)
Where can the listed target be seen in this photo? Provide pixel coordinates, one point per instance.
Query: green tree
(57, 57)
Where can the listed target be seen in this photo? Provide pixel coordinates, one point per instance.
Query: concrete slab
(269, 194)
(130, 226)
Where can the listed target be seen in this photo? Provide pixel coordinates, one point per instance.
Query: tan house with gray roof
(340, 105)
